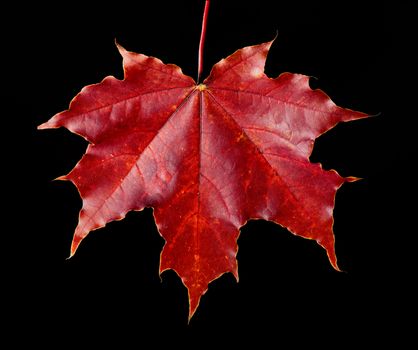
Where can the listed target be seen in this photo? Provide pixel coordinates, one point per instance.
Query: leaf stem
(202, 40)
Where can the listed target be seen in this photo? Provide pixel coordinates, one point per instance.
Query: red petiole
(202, 40)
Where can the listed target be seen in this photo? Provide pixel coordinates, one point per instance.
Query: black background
(110, 290)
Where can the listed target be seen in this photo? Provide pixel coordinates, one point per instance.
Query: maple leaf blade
(207, 158)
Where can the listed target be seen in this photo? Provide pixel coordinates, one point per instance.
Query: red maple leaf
(207, 157)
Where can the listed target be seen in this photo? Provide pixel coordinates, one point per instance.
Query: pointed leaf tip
(120, 47)
(353, 179)
(74, 245)
(43, 126)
